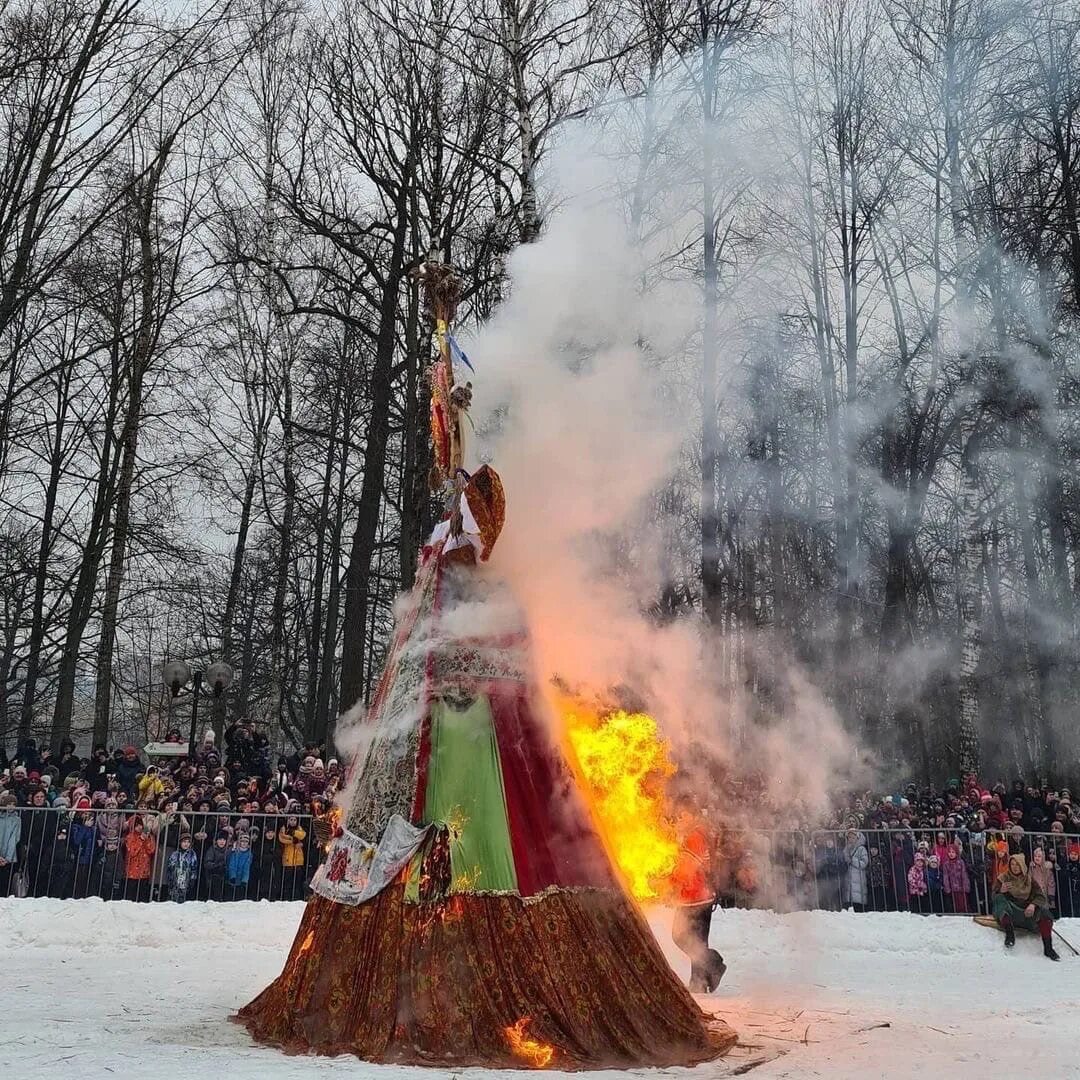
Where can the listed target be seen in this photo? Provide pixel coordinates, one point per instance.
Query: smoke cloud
(575, 407)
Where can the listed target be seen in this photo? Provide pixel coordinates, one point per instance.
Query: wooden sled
(989, 920)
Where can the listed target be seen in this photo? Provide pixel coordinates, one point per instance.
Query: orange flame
(334, 816)
(536, 1055)
(626, 765)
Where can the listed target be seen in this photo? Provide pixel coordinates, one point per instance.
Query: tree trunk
(528, 208)
(37, 623)
(322, 528)
(711, 579)
(1037, 607)
(968, 600)
(323, 705)
(141, 356)
(414, 472)
(971, 541)
(776, 530)
(82, 598)
(236, 573)
(278, 640)
(362, 551)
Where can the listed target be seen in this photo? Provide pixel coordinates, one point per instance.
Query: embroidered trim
(356, 870)
(551, 890)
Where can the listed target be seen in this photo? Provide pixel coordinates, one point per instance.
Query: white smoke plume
(574, 410)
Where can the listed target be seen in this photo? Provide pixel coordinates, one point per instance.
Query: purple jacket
(955, 875)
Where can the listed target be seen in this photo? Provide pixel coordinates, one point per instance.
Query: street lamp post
(176, 675)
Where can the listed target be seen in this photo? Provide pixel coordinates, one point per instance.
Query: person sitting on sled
(695, 899)
(1019, 901)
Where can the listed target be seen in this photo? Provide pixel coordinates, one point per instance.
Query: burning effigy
(468, 910)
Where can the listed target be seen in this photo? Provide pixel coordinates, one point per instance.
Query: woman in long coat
(856, 859)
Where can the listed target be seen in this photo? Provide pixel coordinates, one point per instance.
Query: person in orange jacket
(694, 902)
(139, 850)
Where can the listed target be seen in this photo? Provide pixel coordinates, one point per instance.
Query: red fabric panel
(442, 984)
(423, 752)
(551, 832)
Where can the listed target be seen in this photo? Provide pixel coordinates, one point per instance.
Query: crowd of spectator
(218, 825)
(235, 825)
(923, 850)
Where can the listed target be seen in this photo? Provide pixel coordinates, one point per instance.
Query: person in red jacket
(695, 900)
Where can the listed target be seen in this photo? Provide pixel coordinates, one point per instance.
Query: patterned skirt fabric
(447, 984)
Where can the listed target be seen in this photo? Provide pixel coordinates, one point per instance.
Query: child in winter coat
(61, 866)
(978, 861)
(182, 870)
(266, 865)
(1071, 905)
(212, 886)
(877, 880)
(997, 856)
(916, 884)
(82, 838)
(139, 848)
(941, 848)
(935, 884)
(899, 856)
(238, 866)
(954, 873)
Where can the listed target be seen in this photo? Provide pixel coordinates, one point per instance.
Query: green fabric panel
(465, 790)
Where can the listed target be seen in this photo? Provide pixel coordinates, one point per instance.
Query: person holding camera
(128, 769)
(150, 784)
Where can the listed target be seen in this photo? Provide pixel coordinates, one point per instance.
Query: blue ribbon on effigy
(458, 353)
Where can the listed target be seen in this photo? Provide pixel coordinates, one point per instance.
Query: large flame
(626, 764)
(536, 1055)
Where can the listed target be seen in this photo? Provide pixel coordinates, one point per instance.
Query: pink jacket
(916, 880)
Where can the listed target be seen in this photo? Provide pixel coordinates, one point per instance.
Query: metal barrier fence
(138, 855)
(890, 869)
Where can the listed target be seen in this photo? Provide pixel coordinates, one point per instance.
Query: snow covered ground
(92, 990)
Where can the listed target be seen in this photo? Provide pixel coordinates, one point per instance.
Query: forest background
(213, 407)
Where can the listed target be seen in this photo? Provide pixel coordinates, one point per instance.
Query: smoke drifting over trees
(835, 243)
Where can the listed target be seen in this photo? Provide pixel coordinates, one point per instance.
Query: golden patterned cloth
(441, 984)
